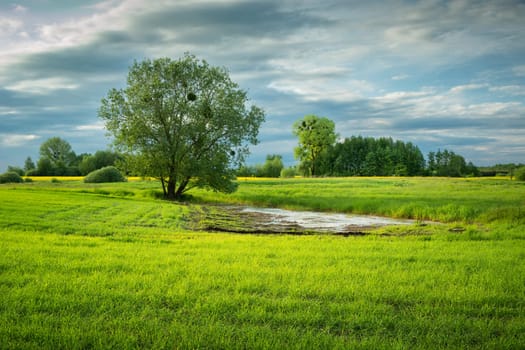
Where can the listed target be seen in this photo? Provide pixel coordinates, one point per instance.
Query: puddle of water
(318, 221)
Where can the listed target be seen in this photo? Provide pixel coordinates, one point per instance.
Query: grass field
(111, 266)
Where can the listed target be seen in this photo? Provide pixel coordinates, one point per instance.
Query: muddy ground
(238, 219)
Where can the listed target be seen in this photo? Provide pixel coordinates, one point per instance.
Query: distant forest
(354, 156)
(367, 156)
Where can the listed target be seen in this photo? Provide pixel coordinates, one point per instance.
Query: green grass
(439, 199)
(109, 266)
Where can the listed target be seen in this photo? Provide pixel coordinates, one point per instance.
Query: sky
(439, 74)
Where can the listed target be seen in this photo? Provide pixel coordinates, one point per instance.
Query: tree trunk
(163, 186)
(181, 188)
(173, 192)
(170, 194)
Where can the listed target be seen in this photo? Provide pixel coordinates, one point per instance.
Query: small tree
(316, 135)
(273, 165)
(182, 121)
(29, 164)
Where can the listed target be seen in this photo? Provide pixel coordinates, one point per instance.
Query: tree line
(57, 158)
(353, 156)
(320, 154)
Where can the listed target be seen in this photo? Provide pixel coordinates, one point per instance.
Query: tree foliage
(56, 159)
(58, 151)
(271, 168)
(316, 135)
(520, 174)
(367, 156)
(15, 169)
(288, 172)
(273, 165)
(184, 122)
(99, 160)
(448, 163)
(29, 164)
(356, 156)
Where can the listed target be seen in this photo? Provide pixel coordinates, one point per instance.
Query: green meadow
(112, 266)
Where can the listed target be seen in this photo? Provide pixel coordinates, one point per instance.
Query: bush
(107, 174)
(288, 172)
(520, 174)
(33, 172)
(10, 177)
(15, 169)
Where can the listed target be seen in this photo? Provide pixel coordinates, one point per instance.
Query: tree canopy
(58, 151)
(316, 135)
(99, 160)
(448, 163)
(367, 156)
(184, 122)
(271, 168)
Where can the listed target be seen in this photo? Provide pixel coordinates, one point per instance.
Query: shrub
(288, 172)
(15, 169)
(10, 177)
(520, 174)
(107, 174)
(32, 172)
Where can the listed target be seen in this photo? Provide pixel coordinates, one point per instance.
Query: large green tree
(316, 135)
(184, 122)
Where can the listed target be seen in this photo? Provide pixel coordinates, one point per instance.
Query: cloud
(402, 96)
(321, 90)
(400, 77)
(8, 111)
(422, 70)
(16, 140)
(519, 70)
(462, 88)
(19, 8)
(42, 86)
(513, 90)
(90, 127)
(9, 26)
